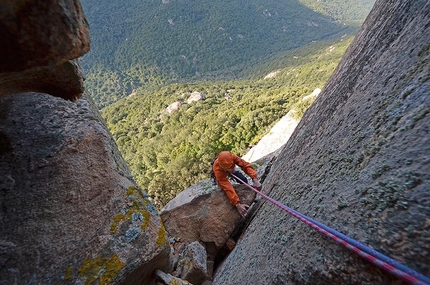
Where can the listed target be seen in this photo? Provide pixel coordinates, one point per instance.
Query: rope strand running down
(380, 260)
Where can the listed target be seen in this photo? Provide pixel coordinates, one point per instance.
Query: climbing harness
(380, 260)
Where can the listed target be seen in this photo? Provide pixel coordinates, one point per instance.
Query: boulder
(192, 265)
(41, 33)
(70, 211)
(203, 213)
(196, 96)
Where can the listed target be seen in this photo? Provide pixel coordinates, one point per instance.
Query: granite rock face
(358, 162)
(65, 80)
(41, 33)
(41, 41)
(70, 212)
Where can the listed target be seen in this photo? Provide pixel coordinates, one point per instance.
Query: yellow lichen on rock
(162, 236)
(138, 205)
(135, 193)
(114, 226)
(103, 269)
(147, 217)
(68, 273)
(132, 190)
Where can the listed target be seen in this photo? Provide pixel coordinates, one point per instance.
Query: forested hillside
(155, 53)
(168, 152)
(153, 43)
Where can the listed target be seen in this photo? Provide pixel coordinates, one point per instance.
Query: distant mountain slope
(343, 11)
(151, 43)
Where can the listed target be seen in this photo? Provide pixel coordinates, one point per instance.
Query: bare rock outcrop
(358, 162)
(192, 265)
(70, 212)
(174, 107)
(271, 144)
(203, 213)
(41, 41)
(195, 97)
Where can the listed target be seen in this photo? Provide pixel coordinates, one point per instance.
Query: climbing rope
(380, 260)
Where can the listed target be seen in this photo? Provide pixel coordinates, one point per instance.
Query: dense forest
(168, 152)
(154, 43)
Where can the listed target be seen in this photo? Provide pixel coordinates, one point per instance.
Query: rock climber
(224, 165)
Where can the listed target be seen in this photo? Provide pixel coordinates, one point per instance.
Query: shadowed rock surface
(65, 80)
(358, 162)
(41, 41)
(41, 33)
(70, 212)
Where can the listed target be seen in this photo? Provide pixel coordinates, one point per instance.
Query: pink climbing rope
(380, 260)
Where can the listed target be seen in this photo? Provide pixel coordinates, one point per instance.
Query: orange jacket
(221, 176)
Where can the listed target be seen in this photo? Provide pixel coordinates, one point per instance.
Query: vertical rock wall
(70, 212)
(69, 208)
(357, 162)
